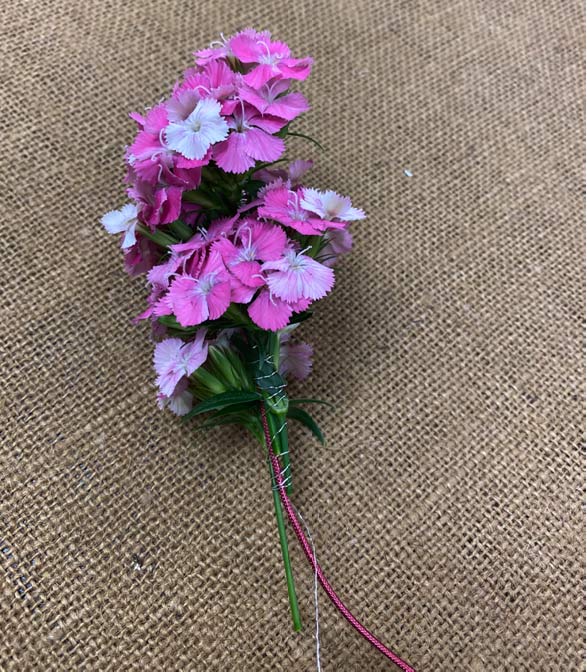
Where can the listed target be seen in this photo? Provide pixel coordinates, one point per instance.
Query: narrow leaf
(306, 137)
(306, 419)
(222, 401)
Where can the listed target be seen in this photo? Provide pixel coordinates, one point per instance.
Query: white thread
(316, 610)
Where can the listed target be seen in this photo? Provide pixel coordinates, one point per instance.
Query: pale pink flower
(284, 206)
(174, 359)
(330, 205)
(180, 402)
(338, 241)
(297, 169)
(296, 276)
(295, 359)
(251, 139)
(272, 59)
(200, 130)
(195, 300)
(122, 221)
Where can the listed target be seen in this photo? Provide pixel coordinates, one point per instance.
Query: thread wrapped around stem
(307, 548)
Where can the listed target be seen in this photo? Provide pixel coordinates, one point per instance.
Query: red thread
(293, 519)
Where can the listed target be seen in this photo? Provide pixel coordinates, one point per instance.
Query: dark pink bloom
(141, 256)
(250, 140)
(269, 312)
(216, 80)
(152, 160)
(271, 59)
(269, 99)
(255, 241)
(195, 300)
(157, 205)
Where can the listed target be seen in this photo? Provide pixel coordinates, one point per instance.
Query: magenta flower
(195, 300)
(122, 221)
(272, 98)
(255, 241)
(330, 205)
(175, 359)
(250, 140)
(200, 130)
(148, 154)
(284, 206)
(296, 276)
(269, 312)
(141, 257)
(271, 59)
(157, 205)
(218, 49)
(216, 80)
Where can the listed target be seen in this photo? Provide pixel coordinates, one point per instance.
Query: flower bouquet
(236, 251)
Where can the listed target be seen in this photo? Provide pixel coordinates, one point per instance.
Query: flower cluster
(228, 240)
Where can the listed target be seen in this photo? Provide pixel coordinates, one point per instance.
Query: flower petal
(269, 312)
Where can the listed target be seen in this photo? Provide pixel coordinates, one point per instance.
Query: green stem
(158, 237)
(195, 196)
(306, 137)
(291, 590)
(181, 230)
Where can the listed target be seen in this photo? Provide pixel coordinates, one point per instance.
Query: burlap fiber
(447, 505)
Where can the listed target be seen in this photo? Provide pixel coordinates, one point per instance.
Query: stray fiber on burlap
(446, 507)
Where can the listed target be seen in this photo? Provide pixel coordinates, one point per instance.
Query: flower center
(297, 214)
(205, 285)
(248, 254)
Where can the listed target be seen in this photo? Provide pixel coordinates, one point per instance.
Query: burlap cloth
(447, 505)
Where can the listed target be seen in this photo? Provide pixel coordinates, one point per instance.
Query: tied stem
(291, 591)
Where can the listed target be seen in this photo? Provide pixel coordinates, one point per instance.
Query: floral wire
(307, 548)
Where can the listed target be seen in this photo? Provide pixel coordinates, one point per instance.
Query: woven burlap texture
(447, 505)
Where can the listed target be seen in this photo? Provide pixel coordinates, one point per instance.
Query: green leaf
(196, 196)
(172, 323)
(241, 408)
(222, 401)
(301, 317)
(306, 137)
(158, 237)
(306, 419)
(181, 230)
(296, 402)
(249, 422)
